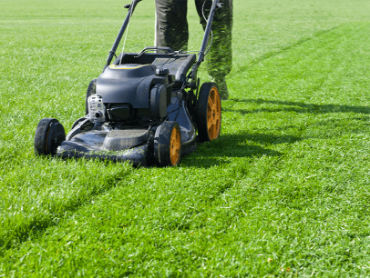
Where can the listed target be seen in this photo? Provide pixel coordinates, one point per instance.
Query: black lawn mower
(145, 108)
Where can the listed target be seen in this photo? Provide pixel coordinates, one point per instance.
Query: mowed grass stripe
(290, 196)
(315, 60)
(45, 71)
(346, 140)
(41, 192)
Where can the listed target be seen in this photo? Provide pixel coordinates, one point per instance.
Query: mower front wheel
(167, 144)
(49, 135)
(209, 112)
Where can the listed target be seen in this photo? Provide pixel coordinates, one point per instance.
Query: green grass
(284, 192)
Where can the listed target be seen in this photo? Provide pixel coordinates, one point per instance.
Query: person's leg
(219, 59)
(171, 24)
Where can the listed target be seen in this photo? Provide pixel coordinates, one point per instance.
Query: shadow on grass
(298, 107)
(238, 145)
(219, 152)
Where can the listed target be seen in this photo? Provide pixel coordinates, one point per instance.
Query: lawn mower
(144, 107)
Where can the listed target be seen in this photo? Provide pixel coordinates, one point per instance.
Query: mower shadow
(298, 107)
(218, 152)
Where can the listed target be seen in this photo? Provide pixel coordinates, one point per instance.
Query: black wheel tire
(167, 144)
(91, 90)
(49, 135)
(209, 112)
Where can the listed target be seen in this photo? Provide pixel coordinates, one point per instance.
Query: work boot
(224, 93)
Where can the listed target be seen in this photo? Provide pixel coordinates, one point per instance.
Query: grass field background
(285, 191)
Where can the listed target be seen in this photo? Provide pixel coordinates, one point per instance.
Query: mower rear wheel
(167, 144)
(209, 112)
(49, 135)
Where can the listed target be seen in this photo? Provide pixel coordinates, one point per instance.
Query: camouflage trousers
(172, 31)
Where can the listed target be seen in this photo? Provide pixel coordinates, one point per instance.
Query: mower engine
(131, 93)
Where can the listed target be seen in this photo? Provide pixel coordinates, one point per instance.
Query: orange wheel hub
(214, 114)
(175, 146)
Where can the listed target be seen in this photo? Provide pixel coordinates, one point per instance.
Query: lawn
(284, 192)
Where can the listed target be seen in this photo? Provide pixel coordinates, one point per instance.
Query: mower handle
(154, 48)
(112, 52)
(207, 33)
